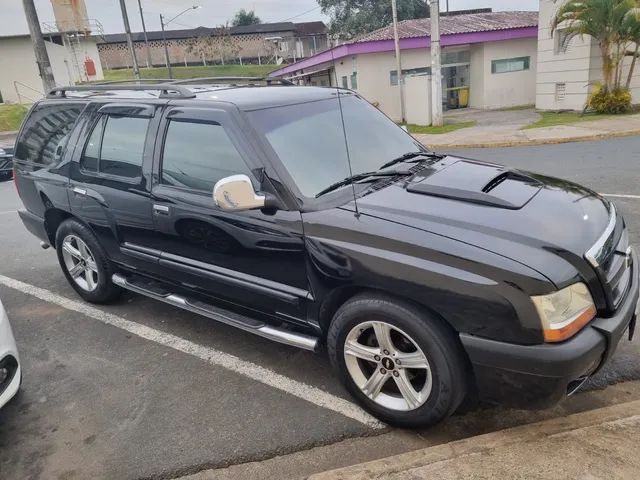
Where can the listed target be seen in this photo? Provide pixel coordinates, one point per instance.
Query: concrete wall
(374, 81)
(571, 68)
(60, 63)
(18, 64)
(500, 90)
(251, 47)
(579, 67)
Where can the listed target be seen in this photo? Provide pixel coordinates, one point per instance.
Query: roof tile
(455, 24)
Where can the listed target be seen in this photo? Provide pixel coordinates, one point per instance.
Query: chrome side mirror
(236, 193)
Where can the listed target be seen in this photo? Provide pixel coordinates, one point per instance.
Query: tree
(221, 46)
(242, 18)
(353, 17)
(631, 30)
(610, 23)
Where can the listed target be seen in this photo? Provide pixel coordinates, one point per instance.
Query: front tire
(401, 364)
(84, 262)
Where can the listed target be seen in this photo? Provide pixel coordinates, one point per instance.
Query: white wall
(88, 48)
(501, 90)
(487, 90)
(571, 67)
(18, 63)
(59, 59)
(374, 81)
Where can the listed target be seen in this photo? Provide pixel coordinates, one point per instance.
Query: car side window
(46, 131)
(116, 146)
(196, 155)
(91, 155)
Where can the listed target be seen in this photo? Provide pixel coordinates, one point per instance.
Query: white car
(10, 373)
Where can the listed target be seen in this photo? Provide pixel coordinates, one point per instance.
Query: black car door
(110, 177)
(253, 259)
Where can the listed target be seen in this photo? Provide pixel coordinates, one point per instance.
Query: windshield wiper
(410, 156)
(362, 176)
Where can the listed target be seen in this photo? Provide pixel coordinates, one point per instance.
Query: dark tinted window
(123, 146)
(197, 155)
(310, 141)
(91, 153)
(45, 133)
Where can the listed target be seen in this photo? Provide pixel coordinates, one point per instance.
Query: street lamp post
(164, 37)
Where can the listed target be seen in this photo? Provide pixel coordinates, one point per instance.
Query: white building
(488, 61)
(567, 70)
(20, 80)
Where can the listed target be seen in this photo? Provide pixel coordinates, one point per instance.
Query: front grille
(611, 257)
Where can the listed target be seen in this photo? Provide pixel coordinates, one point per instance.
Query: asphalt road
(140, 389)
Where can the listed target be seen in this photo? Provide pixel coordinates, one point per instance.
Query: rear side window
(45, 133)
(116, 146)
(197, 155)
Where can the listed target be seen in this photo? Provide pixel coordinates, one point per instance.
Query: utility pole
(436, 68)
(39, 48)
(144, 32)
(166, 49)
(127, 30)
(396, 40)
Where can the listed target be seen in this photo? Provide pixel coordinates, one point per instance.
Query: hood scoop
(479, 183)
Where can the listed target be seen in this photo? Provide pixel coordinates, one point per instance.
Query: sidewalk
(596, 444)
(503, 129)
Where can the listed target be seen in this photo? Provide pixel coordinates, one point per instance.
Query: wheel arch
(339, 296)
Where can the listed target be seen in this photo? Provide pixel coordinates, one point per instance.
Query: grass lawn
(552, 119)
(446, 128)
(193, 72)
(11, 116)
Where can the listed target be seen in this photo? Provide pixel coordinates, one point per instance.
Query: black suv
(306, 216)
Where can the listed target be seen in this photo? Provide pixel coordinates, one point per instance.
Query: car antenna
(344, 133)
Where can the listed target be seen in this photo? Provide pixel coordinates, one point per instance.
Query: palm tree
(631, 31)
(605, 21)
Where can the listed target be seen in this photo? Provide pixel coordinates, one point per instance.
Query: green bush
(614, 101)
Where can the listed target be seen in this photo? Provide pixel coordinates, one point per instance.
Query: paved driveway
(141, 389)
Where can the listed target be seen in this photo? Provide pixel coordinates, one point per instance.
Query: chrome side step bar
(247, 324)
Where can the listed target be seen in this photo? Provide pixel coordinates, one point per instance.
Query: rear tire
(84, 262)
(423, 394)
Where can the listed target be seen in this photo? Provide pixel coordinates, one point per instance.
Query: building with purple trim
(489, 61)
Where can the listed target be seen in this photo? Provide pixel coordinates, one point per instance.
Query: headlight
(565, 312)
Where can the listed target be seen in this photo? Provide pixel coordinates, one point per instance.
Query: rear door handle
(79, 191)
(160, 209)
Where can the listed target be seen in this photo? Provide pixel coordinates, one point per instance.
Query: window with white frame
(507, 65)
(406, 73)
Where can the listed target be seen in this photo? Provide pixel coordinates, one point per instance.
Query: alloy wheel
(388, 366)
(80, 263)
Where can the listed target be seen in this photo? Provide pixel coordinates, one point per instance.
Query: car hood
(543, 222)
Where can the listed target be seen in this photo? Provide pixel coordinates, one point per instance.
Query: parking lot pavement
(142, 389)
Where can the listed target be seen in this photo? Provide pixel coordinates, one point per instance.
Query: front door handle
(79, 191)
(161, 210)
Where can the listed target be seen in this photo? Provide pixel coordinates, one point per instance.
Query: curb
(538, 141)
(481, 443)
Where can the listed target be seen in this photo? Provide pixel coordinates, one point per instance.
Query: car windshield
(310, 141)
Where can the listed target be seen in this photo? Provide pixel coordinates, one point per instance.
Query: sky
(212, 12)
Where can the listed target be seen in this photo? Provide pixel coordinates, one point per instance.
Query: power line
(300, 14)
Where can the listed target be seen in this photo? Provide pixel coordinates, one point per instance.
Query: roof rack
(133, 80)
(233, 80)
(166, 90)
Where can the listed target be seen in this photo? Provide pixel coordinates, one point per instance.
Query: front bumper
(538, 376)
(8, 359)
